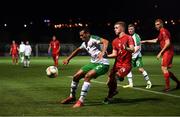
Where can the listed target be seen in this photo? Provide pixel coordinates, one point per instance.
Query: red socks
(167, 81)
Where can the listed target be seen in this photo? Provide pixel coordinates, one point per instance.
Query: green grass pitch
(28, 91)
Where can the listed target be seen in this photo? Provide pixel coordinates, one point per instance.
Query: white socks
(146, 77)
(74, 86)
(84, 90)
(129, 76)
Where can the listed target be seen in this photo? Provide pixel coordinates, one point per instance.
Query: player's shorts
(21, 54)
(121, 71)
(55, 56)
(27, 57)
(100, 69)
(137, 62)
(14, 55)
(167, 59)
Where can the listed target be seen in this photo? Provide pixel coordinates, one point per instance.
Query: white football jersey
(93, 47)
(137, 42)
(27, 50)
(21, 47)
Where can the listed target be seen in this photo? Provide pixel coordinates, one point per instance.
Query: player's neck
(121, 34)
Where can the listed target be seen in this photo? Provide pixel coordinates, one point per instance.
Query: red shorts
(14, 55)
(55, 56)
(167, 59)
(121, 71)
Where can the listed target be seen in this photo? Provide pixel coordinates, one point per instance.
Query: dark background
(99, 15)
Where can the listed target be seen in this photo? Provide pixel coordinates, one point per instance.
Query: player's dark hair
(86, 30)
(123, 24)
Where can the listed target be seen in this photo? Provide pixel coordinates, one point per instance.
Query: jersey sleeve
(137, 40)
(164, 35)
(82, 46)
(96, 38)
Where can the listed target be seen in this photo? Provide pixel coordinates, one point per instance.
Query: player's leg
(28, 60)
(112, 85)
(130, 80)
(74, 84)
(166, 78)
(21, 56)
(73, 87)
(146, 77)
(56, 60)
(165, 65)
(13, 59)
(16, 58)
(168, 58)
(25, 61)
(97, 70)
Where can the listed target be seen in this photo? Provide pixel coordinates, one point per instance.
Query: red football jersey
(55, 45)
(164, 35)
(14, 49)
(124, 57)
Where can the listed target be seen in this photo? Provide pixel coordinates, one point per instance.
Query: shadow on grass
(124, 101)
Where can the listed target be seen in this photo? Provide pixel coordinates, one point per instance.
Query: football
(52, 71)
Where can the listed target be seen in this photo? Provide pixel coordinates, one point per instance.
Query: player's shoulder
(163, 30)
(95, 37)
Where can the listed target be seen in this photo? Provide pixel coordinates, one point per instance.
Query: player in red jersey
(54, 48)
(123, 47)
(167, 53)
(14, 52)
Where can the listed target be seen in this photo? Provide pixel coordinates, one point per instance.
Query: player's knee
(76, 77)
(164, 69)
(87, 77)
(141, 70)
(118, 77)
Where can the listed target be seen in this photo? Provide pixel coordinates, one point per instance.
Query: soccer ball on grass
(52, 71)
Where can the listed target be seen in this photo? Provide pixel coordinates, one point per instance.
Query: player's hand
(65, 62)
(158, 56)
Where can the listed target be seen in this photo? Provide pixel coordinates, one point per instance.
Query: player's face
(158, 25)
(117, 29)
(84, 36)
(54, 38)
(131, 30)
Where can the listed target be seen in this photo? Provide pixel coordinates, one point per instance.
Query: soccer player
(27, 54)
(123, 47)
(167, 53)
(54, 48)
(98, 65)
(21, 51)
(137, 59)
(14, 52)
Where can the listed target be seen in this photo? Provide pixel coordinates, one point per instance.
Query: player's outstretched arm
(73, 54)
(150, 41)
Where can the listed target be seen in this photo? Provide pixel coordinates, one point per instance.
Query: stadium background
(38, 22)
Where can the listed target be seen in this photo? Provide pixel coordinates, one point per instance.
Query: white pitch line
(145, 90)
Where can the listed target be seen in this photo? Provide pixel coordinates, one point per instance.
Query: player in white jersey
(27, 54)
(97, 66)
(21, 51)
(137, 59)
